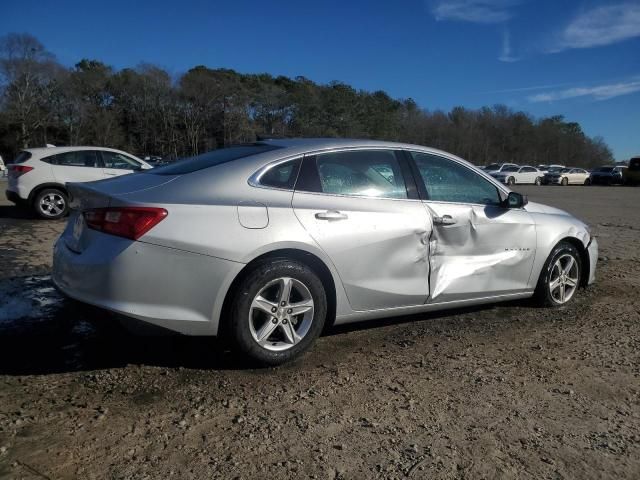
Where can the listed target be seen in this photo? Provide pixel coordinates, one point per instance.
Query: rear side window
(22, 157)
(282, 175)
(211, 159)
(83, 158)
(365, 173)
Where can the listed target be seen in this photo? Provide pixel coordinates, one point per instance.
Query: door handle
(331, 215)
(444, 220)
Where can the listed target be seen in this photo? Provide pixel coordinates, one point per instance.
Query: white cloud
(475, 11)
(600, 26)
(507, 54)
(601, 92)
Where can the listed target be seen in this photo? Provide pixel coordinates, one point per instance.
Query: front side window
(82, 158)
(449, 181)
(368, 173)
(118, 161)
(282, 175)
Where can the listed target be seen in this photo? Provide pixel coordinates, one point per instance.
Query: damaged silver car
(266, 244)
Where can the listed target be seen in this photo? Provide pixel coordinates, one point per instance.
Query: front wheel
(560, 276)
(565, 182)
(51, 204)
(587, 181)
(538, 181)
(278, 312)
(511, 181)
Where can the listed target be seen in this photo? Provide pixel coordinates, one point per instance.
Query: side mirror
(515, 200)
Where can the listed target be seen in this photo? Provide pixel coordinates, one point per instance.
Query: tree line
(145, 111)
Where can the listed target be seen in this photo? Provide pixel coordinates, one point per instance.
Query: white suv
(37, 176)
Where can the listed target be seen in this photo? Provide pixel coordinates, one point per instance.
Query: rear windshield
(211, 159)
(22, 157)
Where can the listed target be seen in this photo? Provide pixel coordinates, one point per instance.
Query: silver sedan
(267, 243)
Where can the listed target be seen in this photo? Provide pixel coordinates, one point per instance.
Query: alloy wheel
(281, 314)
(563, 280)
(52, 204)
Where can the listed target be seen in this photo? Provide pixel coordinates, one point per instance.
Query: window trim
(254, 179)
(48, 159)
(405, 169)
(503, 192)
(104, 164)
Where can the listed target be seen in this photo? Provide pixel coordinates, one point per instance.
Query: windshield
(510, 169)
(211, 159)
(492, 166)
(634, 164)
(565, 170)
(605, 169)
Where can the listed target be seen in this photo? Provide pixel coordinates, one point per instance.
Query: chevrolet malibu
(266, 244)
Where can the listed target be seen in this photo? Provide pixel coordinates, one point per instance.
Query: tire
(511, 181)
(564, 182)
(284, 336)
(587, 182)
(538, 181)
(548, 295)
(51, 204)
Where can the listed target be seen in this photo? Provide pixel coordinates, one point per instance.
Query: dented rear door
(355, 207)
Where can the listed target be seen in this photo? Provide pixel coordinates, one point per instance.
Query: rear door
(478, 247)
(361, 207)
(75, 166)
(116, 164)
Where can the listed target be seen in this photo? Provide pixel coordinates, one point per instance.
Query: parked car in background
(498, 167)
(316, 232)
(631, 175)
(3, 168)
(520, 175)
(550, 168)
(38, 176)
(607, 175)
(567, 176)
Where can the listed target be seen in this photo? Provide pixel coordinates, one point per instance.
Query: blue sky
(578, 58)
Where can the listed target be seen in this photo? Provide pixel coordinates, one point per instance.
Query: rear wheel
(278, 312)
(511, 181)
(560, 276)
(51, 203)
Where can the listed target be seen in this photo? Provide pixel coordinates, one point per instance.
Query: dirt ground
(504, 391)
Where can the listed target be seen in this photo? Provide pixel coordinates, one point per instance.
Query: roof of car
(54, 150)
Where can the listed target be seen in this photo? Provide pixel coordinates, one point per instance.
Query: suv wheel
(278, 312)
(51, 203)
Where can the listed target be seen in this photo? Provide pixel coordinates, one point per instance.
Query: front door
(478, 248)
(116, 164)
(356, 205)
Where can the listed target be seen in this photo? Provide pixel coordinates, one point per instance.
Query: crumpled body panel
(487, 251)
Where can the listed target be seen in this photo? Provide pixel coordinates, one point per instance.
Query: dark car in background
(631, 175)
(607, 175)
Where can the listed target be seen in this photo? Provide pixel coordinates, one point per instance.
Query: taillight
(17, 170)
(128, 222)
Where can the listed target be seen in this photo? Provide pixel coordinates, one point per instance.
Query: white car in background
(567, 176)
(517, 174)
(38, 176)
(498, 167)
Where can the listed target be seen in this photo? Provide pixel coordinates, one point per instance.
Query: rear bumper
(14, 197)
(169, 288)
(592, 250)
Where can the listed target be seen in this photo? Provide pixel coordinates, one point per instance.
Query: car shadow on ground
(15, 212)
(42, 333)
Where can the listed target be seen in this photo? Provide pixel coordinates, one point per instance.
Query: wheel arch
(43, 186)
(584, 257)
(311, 260)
